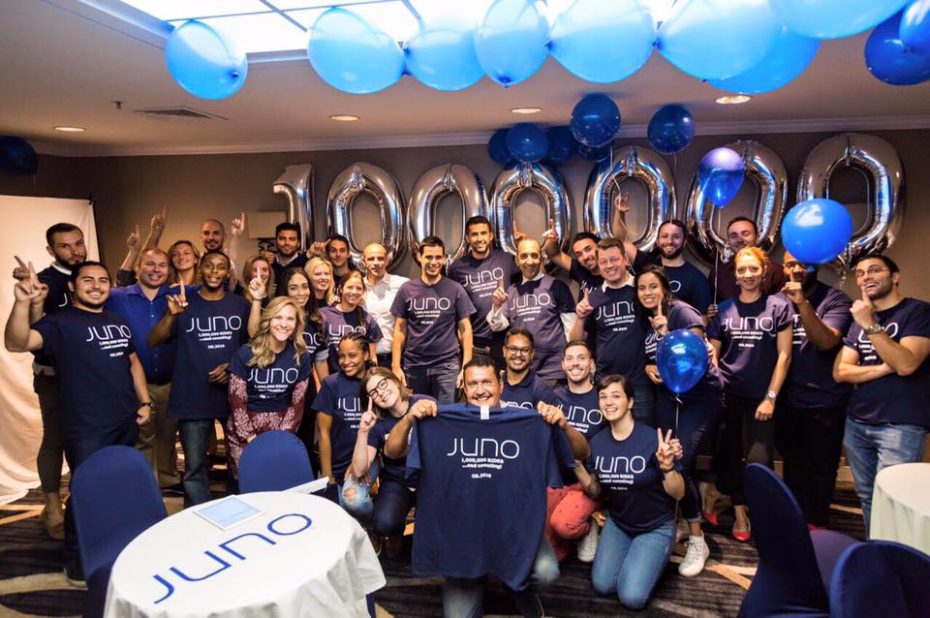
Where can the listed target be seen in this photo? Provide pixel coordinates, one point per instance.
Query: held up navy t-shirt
(339, 397)
(618, 333)
(538, 306)
(337, 324)
(91, 353)
(432, 313)
(269, 388)
(479, 278)
(392, 469)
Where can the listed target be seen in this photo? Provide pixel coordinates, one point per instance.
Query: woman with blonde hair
(183, 263)
(322, 281)
(268, 378)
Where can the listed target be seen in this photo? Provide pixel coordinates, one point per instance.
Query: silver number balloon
(380, 185)
(879, 161)
(431, 187)
(643, 165)
(296, 183)
(544, 180)
(767, 171)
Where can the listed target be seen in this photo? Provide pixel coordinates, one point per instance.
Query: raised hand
(659, 322)
(368, 420)
(318, 249)
(30, 288)
(622, 204)
(499, 297)
(134, 240)
(863, 311)
(584, 308)
(677, 448)
(793, 290)
(712, 311)
(423, 409)
(20, 271)
(158, 222)
(665, 454)
(237, 227)
(177, 303)
(551, 414)
(257, 289)
(550, 235)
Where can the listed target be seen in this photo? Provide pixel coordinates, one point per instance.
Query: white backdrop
(23, 221)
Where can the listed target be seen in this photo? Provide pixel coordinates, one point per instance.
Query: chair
(794, 565)
(115, 497)
(880, 578)
(274, 461)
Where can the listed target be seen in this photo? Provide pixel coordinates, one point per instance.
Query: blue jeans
(194, 438)
(644, 404)
(361, 506)
(464, 598)
(436, 381)
(630, 566)
(870, 448)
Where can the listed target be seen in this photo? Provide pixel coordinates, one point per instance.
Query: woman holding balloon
(751, 335)
(687, 403)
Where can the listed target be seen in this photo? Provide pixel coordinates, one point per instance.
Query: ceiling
(65, 62)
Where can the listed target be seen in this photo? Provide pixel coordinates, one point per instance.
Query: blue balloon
(915, 26)
(17, 156)
(497, 148)
(682, 360)
(671, 129)
(443, 57)
(603, 40)
(720, 175)
(595, 120)
(889, 60)
(594, 154)
(511, 41)
(562, 144)
(816, 231)
(352, 56)
(833, 19)
(787, 59)
(717, 39)
(527, 143)
(203, 62)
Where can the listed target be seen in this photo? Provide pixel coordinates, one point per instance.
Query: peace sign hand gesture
(584, 307)
(177, 303)
(665, 454)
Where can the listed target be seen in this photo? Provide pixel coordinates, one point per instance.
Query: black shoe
(174, 490)
(75, 574)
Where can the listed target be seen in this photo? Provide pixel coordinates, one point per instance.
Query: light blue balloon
(833, 19)
(915, 26)
(203, 62)
(788, 57)
(443, 57)
(511, 41)
(603, 40)
(352, 56)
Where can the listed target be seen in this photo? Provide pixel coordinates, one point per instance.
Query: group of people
(362, 365)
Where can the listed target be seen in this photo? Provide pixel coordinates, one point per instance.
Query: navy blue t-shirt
(618, 333)
(337, 324)
(59, 297)
(479, 278)
(313, 338)
(748, 333)
(206, 335)
(586, 280)
(269, 388)
(581, 410)
(432, 313)
(631, 479)
(538, 306)
(527, 393)
(683, 315)
(892, 398)
(392, 469)
(339, 397)
(810, 382)
(481, 501)
(91, 353)
(689, 284)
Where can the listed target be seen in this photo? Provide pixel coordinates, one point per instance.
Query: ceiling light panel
(259, 33)
(170, 10)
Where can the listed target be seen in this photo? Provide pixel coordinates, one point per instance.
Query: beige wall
(129, 189)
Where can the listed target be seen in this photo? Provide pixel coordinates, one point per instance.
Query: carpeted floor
(32, 583)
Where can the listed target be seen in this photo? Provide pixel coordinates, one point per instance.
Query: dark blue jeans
(437, 381)
(194, 437)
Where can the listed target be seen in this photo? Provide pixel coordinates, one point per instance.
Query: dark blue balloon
(595, 120)
(595, 155)
(497, 148)
(720, 175)
(17, 156)
(915, 26)
(888, 59)
(671, 129)
(562, 144)
(816, 231)
(682, 360)
(527, 143)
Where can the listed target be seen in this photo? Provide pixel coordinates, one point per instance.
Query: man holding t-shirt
(885, 356)
(102, 382)
(432, 317)
(207, 328)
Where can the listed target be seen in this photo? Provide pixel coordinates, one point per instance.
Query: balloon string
(678, 404)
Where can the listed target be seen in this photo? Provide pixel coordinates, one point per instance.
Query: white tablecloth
(303, 556)
(901, 505)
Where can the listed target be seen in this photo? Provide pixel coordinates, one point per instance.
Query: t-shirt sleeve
(837, 314)
(323, 402)
(783, 316)
(413, 450)
(463, 305)
(917, 323)
(372, 329)
(713, 327)
(237, 364)
(688, 317)
(51, 335)
(399, 306)
(544, 393)
(376, 436)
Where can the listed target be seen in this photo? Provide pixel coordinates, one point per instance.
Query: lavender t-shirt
(748, 333)
(337, 324)
(538, 306)
(479, 278)
(618, 333)
(432, 313)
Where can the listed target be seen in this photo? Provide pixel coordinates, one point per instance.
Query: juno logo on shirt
(867, 353)
(483, 455)
(112, 338)
(216, 331)
(619, 470)
(338, 331)
(749, 323)
(272, 380)
(581, 418)
(351, 409)
(483, 277)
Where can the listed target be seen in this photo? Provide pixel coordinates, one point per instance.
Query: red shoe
(812, 527)
(710, 518)
(744, 536)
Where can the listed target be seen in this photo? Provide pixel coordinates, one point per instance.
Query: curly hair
(262, 354)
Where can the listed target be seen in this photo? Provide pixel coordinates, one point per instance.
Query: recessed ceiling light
(526, 110)
(344, 117)
(733, 99)
(64, 129)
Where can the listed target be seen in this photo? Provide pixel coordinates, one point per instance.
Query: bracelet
(146, 404)
(664, 471)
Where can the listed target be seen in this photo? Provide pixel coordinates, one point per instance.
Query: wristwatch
(771, 395)
(147, 404)
(874, 329)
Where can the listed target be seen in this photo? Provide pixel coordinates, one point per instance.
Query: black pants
(810, 440)
(745, 441)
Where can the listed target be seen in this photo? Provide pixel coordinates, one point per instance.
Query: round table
(901, 505)
(302, 556)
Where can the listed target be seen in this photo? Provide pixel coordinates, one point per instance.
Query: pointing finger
(19, 261)
(164, 210)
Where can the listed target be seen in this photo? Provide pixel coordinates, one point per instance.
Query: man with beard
(480, 272)
(885, 356)
(522, 387)
(142, 305)
(207, 327)
(381, 288)
(542, 305)
(65, 243)
(288, 255)
(102, 383)
(685, 280)
(741, 233)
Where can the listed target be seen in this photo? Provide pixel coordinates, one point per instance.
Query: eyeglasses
(872, 270)
(380, 388)
(518, 351)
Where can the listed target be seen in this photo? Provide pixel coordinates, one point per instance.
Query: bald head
(375, 257)
(529, 258)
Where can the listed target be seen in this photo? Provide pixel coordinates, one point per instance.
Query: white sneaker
(697, 555)
(587, 546)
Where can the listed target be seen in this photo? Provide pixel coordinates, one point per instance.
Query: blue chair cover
(880, 578)
(274, 461)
